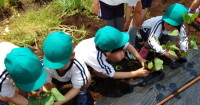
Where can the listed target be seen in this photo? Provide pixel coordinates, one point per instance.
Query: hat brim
(34, 85)
(171, 22)
(125, 38)
(55, 65)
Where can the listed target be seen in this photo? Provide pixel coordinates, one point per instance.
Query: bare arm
(95, 6)
(134, 52)
(19, 100)
(138, 73)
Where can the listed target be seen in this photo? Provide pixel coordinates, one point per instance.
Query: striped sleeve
(106, 68)
(155, 34)
(82, 76)
(183, 39)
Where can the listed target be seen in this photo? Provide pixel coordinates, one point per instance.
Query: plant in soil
(47, 98)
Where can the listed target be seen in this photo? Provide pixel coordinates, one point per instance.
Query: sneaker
(82, 98)
(130, 56)
(144, 52)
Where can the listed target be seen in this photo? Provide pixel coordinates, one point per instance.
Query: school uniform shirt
(130, 3)
(7, 88)
(77, 73)
(155, 25)
(86, 50)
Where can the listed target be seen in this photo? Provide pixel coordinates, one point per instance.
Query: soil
(110, 87)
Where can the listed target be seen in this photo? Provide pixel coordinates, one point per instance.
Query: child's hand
(142, 61)
(142, 72)
(95, 7)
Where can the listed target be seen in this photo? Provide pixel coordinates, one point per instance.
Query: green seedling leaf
(57, 95)
(193, 38)
(173, 47)
(47, 100)
(189, 18)
(174, 33)
(193, 44)
(186, 18)
(185, 54)
(194, 16)
(150, 65)
(158, 64)
(172, 53)
(164, 46)
(33, 101)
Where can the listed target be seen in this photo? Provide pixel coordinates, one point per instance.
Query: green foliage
(31, 28)
(57, 95)
(189, 18)
(174, 33)
(150, 65)
(1, 4)
(33, 101)
(77, 6)
(48, 98)
(157, 63)
(192, 42)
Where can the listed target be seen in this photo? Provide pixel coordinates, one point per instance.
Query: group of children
(20, 67)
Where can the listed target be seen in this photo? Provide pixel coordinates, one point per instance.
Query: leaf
(57, 95)
(185, 54)
(150, 65)
(194, 16)
(47, 100)
(33, 101)
(172, 53)
(187, 18)
(173, 47)
(158, 64)
(193, 44)
(174, 33)
(164, 46)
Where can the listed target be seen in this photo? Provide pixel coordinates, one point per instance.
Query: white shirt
(86, 50)
(155, 24)
(6, 87)
(77, 73)
(130, 3)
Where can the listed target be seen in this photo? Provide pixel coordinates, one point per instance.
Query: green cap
(25, 69)
(173, 14)
(57, 49)
(109, 38)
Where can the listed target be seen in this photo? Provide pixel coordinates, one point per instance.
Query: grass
(31, 28)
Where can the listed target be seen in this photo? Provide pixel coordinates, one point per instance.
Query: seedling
(47, 98)
(155, 65)
(189, 18)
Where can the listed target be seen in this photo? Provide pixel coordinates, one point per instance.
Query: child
(62, 66)
(159, 27)
(195, 7)
(107, 47)
(112, 11)
(22, 67)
